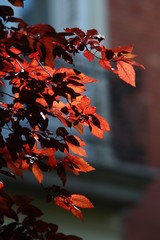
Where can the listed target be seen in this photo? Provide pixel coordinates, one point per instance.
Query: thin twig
(1, 92)
(43, 68)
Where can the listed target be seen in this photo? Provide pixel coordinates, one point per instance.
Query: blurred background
(125, 188)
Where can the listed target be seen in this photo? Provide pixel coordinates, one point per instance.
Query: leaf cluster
(40, 94)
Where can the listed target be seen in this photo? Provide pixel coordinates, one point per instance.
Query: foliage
(40, 93)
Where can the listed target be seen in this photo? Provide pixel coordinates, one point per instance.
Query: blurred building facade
(137, 22)
(125, 160)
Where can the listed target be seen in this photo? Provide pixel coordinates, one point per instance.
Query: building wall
(138, 22)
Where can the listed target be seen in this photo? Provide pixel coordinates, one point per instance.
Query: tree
(41, 93)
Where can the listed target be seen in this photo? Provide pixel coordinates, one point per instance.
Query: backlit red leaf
(76, 164)
(104, 63)
(81, 142)
(42, 102)
(127, 49)
(88, 55)
(85, 102)
(126, 72)
(96, 131)
(77, 212)
(79, 128)
(37, 173)
(63, 202)
(81, 201)
(18, 106)
(77, 150)
(103, 123)
(1, 185)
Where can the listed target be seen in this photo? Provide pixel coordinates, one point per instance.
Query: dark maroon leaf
(62, 173)
(44, 167)
(12, 214)
(40, 226)
(73, 140)
(21, 24)
(6, 11)
(75, 30)
(72, 237)
(92, 32)
(53, 227)
(96, 122)
(61, 236)
(61, 131)
(64, 110)
(14, 145)
(29, 221)
(109, 54)
(30, 210)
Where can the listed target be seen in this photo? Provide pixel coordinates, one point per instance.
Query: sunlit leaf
(81, 201)
(126, 72)
(88, 55)
(77, 150)
(37, 173)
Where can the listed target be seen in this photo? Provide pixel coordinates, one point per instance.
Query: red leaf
(92, 32)
(76, 30)
(127, 49)
(37, 173)
(79, 128)
(16, 3)
(103, 123)
(18, 106)
(96, 131)
(42, 102)
(76, 149)
(81, 201)
(76, 164)
(45, 49)
(2, 83)
(136, 64)
(10, 163)
(24, 164)
(81, 143)
(85, 102)
(63, 202)
(77, 212)
(33, 55)
(1, 185)
(104, 63)
(126, 72)
(49, 152)
(88, 55)
(86, 80)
